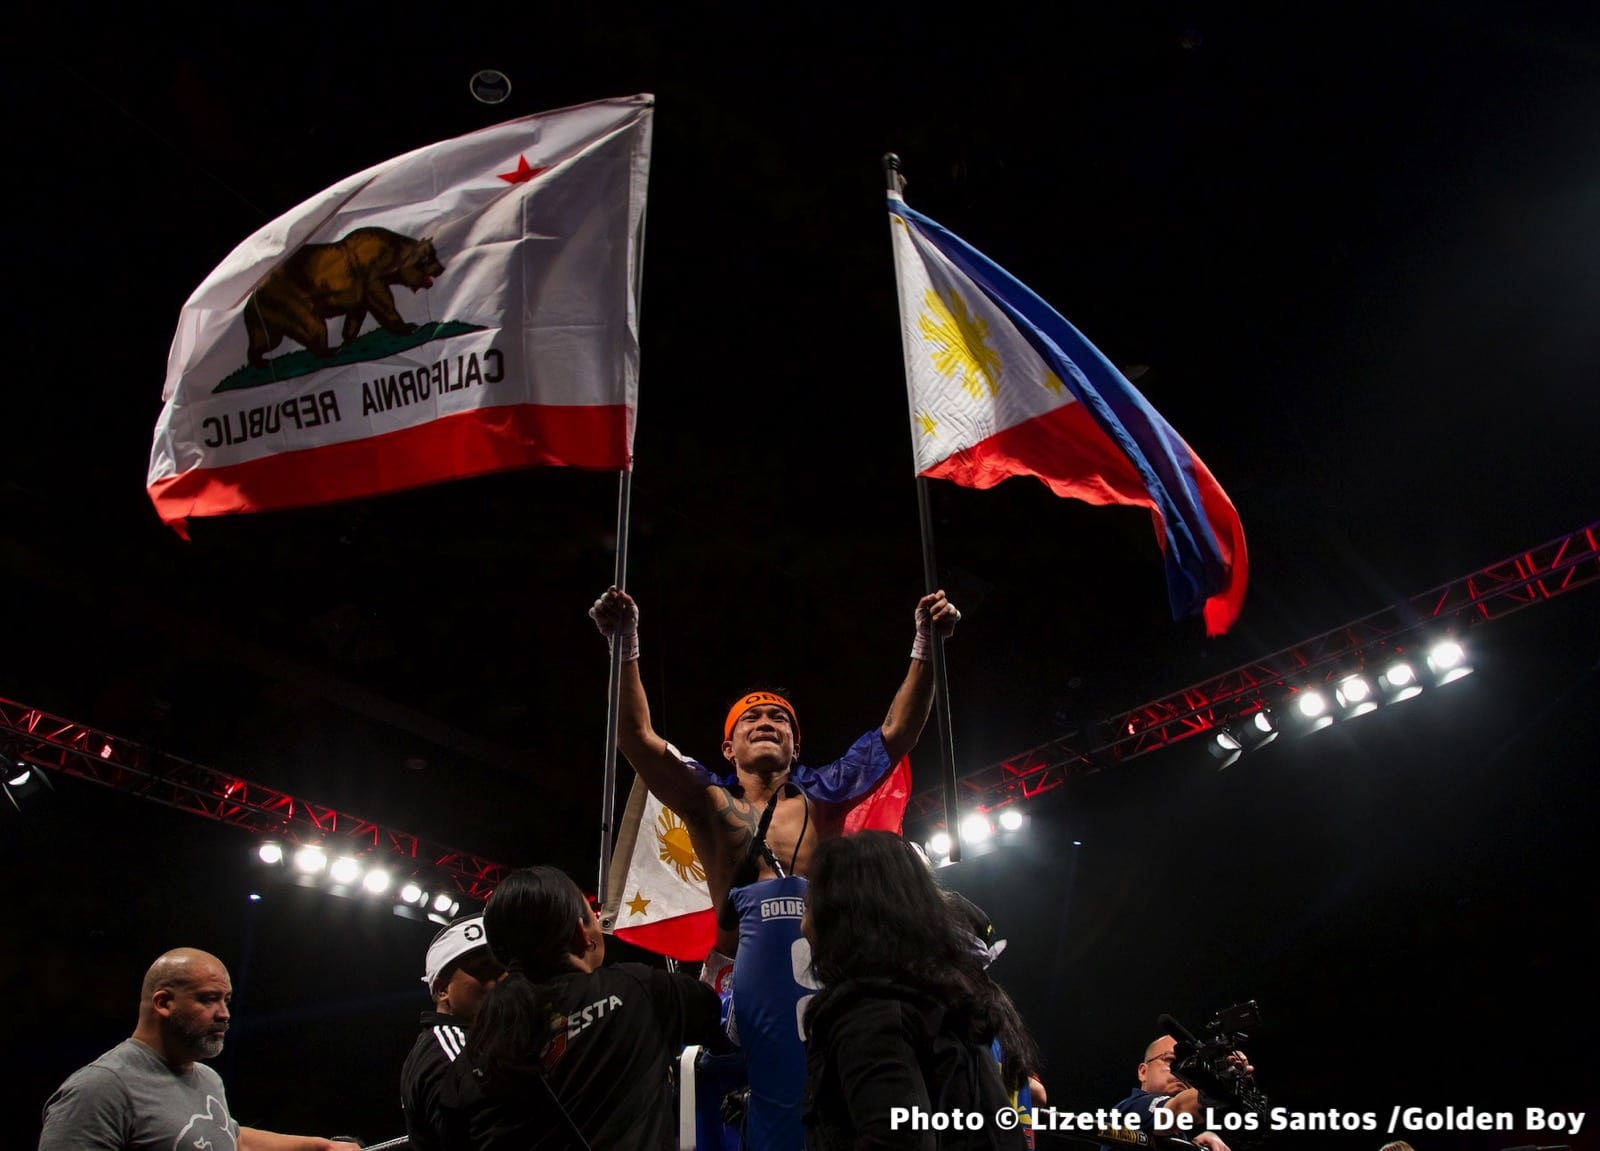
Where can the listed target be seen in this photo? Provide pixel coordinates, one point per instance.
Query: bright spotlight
(1354, 694)
(376, 881)
(1225, 748)
(1011, 819)
(976, 828)
(20, 777)
(270, 853)
(310, 859)
(939, 844)
(345, 869)
(1399, 682)
(411, 893)
(1353, 690)
(1312, 704)
(1448, 662)
(441, 903)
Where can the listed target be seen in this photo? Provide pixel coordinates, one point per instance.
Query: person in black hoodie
(906, 1015)
(566, 1053)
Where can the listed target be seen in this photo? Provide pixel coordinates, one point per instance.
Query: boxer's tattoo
(740, 819)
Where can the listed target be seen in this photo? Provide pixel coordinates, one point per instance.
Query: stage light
(1259, 731)
(346, 869)
(376, 881)
(270, 853)
(1011, 819)
(23, 781)
(976, 828)
(105, 751)
(1354, 694)
(1398, 682)
(412, 893)
(441, 903)
(310, 859)
(1448, 662)
(255, 897)
(1225, 748)
(939, 845)
(1312, 708)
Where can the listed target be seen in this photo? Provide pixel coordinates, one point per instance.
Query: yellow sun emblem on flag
(672, 836)
(963, 349)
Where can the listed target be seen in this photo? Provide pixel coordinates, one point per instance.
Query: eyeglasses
(1167, 1058)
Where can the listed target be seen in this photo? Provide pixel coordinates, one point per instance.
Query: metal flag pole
(608, 798)
(930, 576)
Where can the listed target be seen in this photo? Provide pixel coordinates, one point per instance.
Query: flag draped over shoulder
(466, 308)
(1002, 385)
(659, 899)
(658, 895)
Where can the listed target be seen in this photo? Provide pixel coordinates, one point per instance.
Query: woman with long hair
(566, 1053)
(906, 1015)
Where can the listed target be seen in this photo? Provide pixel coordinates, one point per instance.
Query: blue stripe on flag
(1194, 564)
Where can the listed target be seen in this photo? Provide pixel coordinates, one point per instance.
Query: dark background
(1359, 254)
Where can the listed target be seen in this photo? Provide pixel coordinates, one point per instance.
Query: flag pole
(608, 798)
(930, 576)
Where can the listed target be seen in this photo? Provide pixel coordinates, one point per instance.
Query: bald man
(150, 1091)
(1159, 1086)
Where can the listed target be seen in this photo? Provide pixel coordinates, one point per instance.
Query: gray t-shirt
(129, 1099)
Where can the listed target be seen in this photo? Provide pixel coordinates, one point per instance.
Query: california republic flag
(466, 308)
(659, 899)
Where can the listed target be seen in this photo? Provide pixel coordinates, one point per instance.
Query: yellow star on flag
(927, 422)
(638, 903)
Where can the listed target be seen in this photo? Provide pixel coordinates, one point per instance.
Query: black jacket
(625, 1025)
(442, 1039)
(874, 1046)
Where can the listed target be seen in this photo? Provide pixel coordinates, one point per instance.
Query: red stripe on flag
(474, 443)
(1075, 459)
(1223, 608)
(685, 937)
(884, 807)
(1064, 448)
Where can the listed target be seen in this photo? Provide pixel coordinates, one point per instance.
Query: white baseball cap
(459, 938)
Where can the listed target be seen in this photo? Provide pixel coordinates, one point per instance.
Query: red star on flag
(523, 173)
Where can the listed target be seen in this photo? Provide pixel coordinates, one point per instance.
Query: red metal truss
(75, 749)
(1527, 578)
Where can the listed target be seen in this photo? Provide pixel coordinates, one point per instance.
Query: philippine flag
(1001, 385)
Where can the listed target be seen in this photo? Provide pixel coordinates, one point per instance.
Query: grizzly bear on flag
(348, 278)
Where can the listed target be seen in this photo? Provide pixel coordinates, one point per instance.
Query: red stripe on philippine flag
(686, 937)
(1067, 451)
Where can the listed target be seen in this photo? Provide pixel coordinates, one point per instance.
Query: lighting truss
(1530, 577)
(76, 749)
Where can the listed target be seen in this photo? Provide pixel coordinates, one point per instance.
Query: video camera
(1204, 1063)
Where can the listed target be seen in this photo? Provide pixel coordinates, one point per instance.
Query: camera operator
(1159, 1086)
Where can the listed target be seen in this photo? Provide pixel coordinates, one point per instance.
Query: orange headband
(758, 699)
